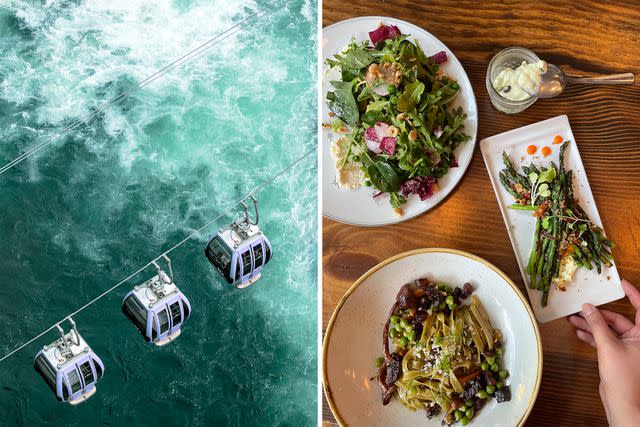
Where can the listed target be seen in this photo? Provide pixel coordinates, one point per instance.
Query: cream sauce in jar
(520, 83)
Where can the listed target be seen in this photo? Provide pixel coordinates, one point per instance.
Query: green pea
(491, 360)
(393, 100)
(495, 368)
(491, 389)
(411, 335)
(500, 385)
(503, 373)
(397, 327)
(441, 286)
(449, 300)
(458, 414)
(469, 403)
(394, 319)
(393, 333)
(402, 342)
(367, 183)
(484, 366)
(464, 421)
(379, 362)
(499, 351)
(452, 306)
(481, 394)
(391, 89)
(403, 323)
(469, 412)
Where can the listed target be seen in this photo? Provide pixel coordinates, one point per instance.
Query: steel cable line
(252, 192)
(178, 62)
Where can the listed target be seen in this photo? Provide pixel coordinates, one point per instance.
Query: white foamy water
(94, 206)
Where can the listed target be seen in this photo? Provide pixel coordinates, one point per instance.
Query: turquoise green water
(99, 203)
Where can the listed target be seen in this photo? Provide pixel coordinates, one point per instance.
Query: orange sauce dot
(558, 139)
(532, 149)
(545, 151)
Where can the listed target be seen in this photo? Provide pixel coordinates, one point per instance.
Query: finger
(602, 335)
(579, 323)
(617, 321)
(633, 294)
(586, 337)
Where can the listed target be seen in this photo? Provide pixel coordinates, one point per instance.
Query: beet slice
(384, 32)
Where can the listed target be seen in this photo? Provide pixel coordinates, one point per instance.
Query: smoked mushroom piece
(405, 297)
(432, 410)
(390, 372)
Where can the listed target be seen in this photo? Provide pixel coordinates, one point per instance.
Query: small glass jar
(510, 57)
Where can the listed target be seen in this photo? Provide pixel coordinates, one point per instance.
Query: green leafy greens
(396, 84)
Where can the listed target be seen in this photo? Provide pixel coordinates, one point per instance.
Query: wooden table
(582, 36)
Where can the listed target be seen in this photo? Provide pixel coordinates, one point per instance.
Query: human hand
(617, 341)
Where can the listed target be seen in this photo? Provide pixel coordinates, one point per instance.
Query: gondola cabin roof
(72, 352)
(237, 235)
(155, 292)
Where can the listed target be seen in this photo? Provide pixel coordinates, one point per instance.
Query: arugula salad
(391, 106)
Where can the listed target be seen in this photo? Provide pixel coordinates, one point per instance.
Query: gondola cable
(249, 195)
(150, 79)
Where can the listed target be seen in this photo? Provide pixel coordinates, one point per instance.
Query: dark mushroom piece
(389, 373)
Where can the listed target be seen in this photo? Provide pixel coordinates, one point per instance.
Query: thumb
(599, 328)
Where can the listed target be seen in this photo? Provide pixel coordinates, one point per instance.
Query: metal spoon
(555, 80)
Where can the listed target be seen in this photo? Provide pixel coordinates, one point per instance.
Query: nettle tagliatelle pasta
(446, 354)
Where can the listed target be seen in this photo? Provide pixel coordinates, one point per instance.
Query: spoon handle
(613, 79)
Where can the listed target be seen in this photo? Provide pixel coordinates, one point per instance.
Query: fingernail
(588, 309)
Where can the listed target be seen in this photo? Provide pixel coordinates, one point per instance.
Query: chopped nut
(326, 125)
(401, 116)
(393, 131)
(343, 129)
(385, 72)
(398, 74)
(398, 211)
(439, 75)
(413, 135)
(332, 114)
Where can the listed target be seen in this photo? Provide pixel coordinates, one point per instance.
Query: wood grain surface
(583, 37)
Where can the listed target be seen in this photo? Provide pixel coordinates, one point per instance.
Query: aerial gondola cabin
(69, 367)
(157, 308)
(240, 251)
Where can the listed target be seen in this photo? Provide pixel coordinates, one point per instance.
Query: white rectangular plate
(587, 286)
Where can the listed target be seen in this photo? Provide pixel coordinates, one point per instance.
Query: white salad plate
(587, 286)
(353, 339)
(358, 207)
